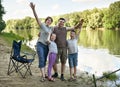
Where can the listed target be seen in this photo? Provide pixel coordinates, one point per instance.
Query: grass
(111, 77)
(8, 38)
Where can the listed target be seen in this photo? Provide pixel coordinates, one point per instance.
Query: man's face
(61, 23)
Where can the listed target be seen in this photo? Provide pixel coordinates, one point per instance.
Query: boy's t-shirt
(72, 46)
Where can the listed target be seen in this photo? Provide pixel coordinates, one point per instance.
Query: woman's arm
(35, 14)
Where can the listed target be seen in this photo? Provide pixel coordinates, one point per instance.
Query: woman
(42, 48)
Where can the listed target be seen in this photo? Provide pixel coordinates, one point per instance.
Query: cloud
(24, 2)
(21, 13)
(56, 7)
(82, 0)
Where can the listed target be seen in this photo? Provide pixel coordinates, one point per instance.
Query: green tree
(2, 22)
(112, 16)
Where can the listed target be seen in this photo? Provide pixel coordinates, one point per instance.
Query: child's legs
(75, 62)
(52, 58)
(70, 60)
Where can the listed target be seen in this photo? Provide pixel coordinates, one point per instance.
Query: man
(61, 36)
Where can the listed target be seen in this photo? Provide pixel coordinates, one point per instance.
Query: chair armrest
(29, 54)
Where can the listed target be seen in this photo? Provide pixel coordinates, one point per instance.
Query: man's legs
(63, 62)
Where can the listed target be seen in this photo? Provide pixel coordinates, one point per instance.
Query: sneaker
(62, 78)
(55, 75)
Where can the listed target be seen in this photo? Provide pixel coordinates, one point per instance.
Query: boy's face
(72, 34)
(53, 37)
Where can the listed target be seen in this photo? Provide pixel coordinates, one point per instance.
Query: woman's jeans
(42, 51)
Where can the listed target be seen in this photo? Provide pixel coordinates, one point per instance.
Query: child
(73, 52)
(52, 54)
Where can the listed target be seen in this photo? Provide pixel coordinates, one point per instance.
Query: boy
(73, 52)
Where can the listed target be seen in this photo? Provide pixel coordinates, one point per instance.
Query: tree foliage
(2, 22)
(112, 16)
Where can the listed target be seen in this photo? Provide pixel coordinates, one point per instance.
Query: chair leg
(8, 72)
(11, 67)
(94, 80)
(27, 66)
(15, 66)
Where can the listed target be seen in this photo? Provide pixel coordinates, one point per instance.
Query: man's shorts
(62, 55)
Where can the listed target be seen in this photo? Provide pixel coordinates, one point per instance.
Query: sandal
(43, 79)
(70, 79)
(46, 76)
(75, 77)
(51, 79)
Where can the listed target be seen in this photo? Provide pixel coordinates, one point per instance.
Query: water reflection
(108, 39)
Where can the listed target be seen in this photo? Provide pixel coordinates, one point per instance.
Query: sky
(18, 9)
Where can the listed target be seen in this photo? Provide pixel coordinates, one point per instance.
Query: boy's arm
(76, 26)
(35, 14)
(79, 27)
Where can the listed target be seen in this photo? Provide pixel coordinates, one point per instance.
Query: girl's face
(53, 37)
(48, 22)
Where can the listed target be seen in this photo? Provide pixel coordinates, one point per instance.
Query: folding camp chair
(18, 63)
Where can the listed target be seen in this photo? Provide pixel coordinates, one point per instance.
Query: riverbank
(15, 80)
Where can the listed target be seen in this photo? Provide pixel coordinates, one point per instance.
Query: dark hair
(62, 19)
(51, 34)
(73, 31)
(49, 18)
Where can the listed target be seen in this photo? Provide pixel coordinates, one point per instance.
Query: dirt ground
(15, 80)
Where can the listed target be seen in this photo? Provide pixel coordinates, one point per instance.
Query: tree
(2, 22)
(112, 16)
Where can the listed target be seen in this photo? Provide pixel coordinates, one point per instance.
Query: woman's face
(48, 22)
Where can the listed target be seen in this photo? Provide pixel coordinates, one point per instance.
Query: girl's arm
(48, 39)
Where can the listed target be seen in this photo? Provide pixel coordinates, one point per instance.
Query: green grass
(111, 77)
(9, 37)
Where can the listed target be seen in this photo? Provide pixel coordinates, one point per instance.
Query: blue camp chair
(18, 63)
